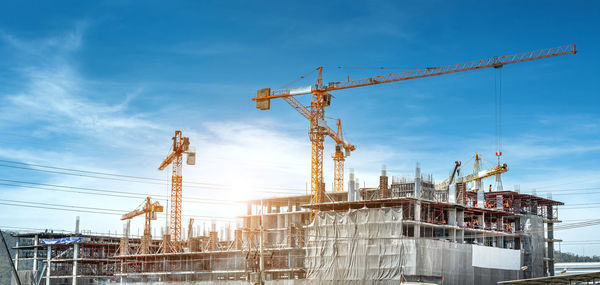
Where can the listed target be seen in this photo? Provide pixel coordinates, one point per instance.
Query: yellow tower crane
(321, 98)
(181, 145)
(477, 175)
(339, 156)
(148, 209)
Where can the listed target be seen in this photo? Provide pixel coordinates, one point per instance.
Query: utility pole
(12, 265)
(261, 259)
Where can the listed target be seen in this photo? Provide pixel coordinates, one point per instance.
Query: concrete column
(417, 229)
(35, 252)
(482, 221)
(280, 233)
(48, 267)
(452, 217)
(452, 193)
(401, 217)
(17, 254)
(550, 241)
(460, 221)
(280, 221)
(480, 198)
(269, 207)
(75, 257)
(122, 268)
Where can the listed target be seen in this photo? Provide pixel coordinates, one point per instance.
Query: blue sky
(102, 86)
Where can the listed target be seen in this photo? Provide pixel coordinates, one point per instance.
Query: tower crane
(148, 209)
(339, 156)
(181, 145)
(477, 175)
(322, 130)
(321, 98)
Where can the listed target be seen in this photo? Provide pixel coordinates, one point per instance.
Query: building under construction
(405, 230)
(409, 230)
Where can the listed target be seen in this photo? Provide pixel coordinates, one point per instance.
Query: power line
(95, 172)
(581, 204)
(58, 209)
(71, 208)
(104, 192)
(58, 205)
(144, 180)
(564, 190)
(206, 185)
(81, 175)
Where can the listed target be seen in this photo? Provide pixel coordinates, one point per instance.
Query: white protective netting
(356, 247)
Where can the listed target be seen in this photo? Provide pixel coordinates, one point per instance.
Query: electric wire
(104, 192)
(59, 209)
(67, 206)
(130, 176)
(95, 210)
(220, 187)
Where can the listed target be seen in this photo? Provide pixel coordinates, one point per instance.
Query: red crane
(321, 98)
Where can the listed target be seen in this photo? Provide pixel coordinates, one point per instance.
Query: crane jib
(426, 72)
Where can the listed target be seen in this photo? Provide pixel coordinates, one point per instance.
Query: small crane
(148, 209)
(181, 145)
(339, 157)
(477, 175)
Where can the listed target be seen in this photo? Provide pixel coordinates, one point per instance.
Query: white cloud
(54, 45)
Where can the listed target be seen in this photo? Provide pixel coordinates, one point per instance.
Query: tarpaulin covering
(366, 246)
(358, 246)
(533, 247)
(67, 240)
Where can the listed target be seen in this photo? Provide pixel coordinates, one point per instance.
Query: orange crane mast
(338, 159)
(321, 98)
(323, 129)
(148, 209)
(180, 145)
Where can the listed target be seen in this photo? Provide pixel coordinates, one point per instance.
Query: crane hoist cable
(498, 110)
